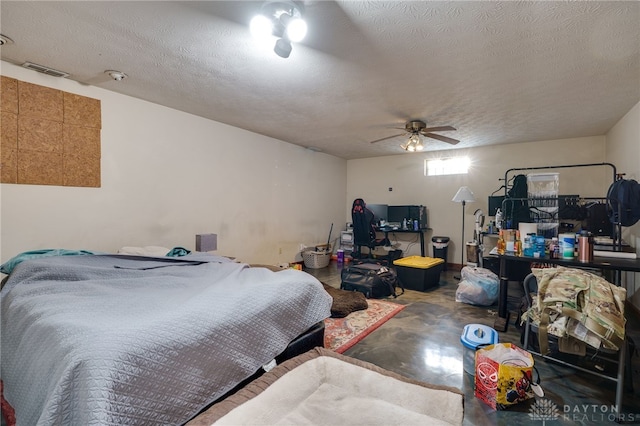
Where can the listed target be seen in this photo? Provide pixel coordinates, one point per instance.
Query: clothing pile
(577, 305)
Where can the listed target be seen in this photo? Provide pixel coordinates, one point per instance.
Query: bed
(121, 339)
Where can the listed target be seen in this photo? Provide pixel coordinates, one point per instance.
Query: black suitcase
(373, 280)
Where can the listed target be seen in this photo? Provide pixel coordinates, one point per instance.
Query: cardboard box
(419, 273)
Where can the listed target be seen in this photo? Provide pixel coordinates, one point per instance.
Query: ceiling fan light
(261, 27)
(419, 147)
(296, 29)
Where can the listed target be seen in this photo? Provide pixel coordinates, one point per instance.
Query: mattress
(113, 339)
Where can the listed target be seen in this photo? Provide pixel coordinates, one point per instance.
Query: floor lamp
(463, 196)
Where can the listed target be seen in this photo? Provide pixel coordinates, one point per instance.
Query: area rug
(342, 333)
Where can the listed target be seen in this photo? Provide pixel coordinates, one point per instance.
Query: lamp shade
(464, 194)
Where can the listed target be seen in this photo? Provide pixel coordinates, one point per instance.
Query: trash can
(440, 247)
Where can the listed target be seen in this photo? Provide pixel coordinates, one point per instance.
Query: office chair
(364, 231)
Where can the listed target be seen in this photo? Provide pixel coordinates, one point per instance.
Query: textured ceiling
(500, 72)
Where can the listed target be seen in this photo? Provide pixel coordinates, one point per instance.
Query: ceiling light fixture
(116, 75)
(282, 19)
(4, 40)
(413, 144)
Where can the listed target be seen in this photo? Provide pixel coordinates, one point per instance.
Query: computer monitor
(495, 203)
(397, 214)
(379, 211)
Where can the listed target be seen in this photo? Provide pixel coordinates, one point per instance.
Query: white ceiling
(500, 72)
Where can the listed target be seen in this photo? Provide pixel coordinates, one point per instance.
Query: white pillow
(145, 251)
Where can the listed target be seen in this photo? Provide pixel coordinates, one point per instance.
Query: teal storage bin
(474, 336)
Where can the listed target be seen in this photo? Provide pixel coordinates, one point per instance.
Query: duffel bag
(373, 280)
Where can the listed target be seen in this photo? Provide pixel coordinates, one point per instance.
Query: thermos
(585, 247)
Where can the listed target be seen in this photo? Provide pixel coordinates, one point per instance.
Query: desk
(407, 231)
(605, 263)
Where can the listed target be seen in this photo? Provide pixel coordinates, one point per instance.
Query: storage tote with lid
(474, 336)
(419, 273)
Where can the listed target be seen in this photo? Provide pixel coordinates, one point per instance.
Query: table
(605, 263)
(421, 232)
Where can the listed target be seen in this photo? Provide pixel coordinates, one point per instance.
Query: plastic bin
(542, 190)
(419, 273)
(474, 336)
(440, 248)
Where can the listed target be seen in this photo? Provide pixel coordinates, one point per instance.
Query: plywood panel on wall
(39, 101)
(9, 146)
(8, 94)
(81, 156)
(49, 137)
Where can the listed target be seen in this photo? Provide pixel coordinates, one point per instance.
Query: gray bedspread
(124, 340)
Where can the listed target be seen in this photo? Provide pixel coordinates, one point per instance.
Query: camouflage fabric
(580, 304)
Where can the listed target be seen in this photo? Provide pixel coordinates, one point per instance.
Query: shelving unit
(610, 264)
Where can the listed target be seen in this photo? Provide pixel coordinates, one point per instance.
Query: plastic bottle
(518, 245)
(498, 219)
(540, 246)
(501, 245)
(527, 248)
(554, 248)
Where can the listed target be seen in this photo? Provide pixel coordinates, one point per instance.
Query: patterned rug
(342, 333)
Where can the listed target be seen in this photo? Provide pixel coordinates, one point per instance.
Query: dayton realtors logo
(545, 410)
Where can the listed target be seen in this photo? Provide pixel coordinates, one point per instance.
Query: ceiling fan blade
(388, 137)
(442, 138)
(436, 129)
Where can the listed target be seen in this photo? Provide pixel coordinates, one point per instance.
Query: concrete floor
(423, 342)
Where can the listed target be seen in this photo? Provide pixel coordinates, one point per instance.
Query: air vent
(45, 70)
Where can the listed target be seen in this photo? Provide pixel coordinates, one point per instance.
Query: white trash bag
(478, 286)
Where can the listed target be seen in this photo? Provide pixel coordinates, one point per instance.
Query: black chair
(364, 230)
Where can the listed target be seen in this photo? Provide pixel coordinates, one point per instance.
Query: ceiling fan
(415, 128)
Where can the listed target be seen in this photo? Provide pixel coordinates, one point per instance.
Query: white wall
(167, 176)
(371, 178)
(623, 149)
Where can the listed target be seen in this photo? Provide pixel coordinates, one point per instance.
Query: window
(447, 166)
